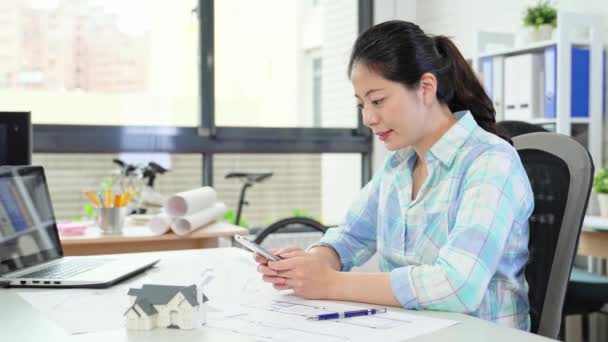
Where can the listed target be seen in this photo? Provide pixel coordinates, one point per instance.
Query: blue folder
(579, 91)
(487, 75)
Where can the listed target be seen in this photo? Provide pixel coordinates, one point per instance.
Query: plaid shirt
(462, 244)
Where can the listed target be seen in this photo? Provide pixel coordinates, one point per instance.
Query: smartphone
(254, 247)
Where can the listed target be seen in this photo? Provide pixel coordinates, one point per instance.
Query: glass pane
(100, 62)
(69, 175)
(319, 186)
(286, 70)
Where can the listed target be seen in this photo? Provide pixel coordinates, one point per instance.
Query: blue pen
(346, 314)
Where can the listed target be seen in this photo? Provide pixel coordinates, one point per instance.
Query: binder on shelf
(486, 75)
(523, 87)
(550, 82)
(579, 84)
(497, 84)
(579, 105)
(492, 80)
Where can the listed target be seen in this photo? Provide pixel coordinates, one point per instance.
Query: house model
(179, 307)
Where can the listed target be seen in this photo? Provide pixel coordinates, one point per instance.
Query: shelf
(546, 121)
(534, 47)
(567, 35)
(543, 121)
(580, 120)
(553, 121)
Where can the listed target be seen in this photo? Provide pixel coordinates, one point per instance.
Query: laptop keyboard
(67, 268)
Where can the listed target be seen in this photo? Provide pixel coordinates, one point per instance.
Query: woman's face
(394, 113)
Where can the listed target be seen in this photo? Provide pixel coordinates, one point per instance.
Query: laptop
(30, 250)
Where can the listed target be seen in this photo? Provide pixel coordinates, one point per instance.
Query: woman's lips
(383, 136)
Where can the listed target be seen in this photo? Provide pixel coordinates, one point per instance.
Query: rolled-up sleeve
(355, 239)
(495, 198)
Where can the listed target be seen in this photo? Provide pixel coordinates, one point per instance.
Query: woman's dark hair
(401, 52)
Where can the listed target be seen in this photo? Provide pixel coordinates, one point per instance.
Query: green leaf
(299, 213)
(230, 217)
(600, 181)
(89, 209)
(541, 14)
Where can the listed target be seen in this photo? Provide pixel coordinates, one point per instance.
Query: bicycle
(297, 224)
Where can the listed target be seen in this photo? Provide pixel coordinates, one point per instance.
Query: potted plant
(540, 21)
(600, 187)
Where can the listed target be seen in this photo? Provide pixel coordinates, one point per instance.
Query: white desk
(21, 322)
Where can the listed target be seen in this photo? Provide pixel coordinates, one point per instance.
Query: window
(98, 62)
(264, 67)
(250, 106)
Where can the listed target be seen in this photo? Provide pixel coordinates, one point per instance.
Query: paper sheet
(67, 308)
(190, 202)
(283, 318)
(104, 308)
(188, 224)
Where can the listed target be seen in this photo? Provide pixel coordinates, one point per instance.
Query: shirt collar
(447, 146)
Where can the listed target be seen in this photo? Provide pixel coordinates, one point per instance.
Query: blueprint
(282, 317)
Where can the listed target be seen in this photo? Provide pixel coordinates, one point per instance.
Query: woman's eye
(360, 105)
(377, 102)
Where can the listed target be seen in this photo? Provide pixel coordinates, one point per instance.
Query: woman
(448, 213)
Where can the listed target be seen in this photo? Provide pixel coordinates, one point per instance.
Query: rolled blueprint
(188, 224)
(160, 224)
(190, 202)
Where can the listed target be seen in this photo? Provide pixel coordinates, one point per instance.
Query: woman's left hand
(308, 274)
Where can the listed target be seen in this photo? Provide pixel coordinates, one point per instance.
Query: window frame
(208, 139)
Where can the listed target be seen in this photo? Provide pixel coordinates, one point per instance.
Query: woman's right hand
(269, 275)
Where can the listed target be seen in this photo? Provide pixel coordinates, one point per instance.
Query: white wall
(462, 19)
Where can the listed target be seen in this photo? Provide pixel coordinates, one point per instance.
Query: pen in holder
(112, 210)
(112, 220)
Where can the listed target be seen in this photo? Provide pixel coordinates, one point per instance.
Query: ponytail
(400, 51)
(459, 87)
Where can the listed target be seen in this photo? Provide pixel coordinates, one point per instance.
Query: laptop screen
(28, 234)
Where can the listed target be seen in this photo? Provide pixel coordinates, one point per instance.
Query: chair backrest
(515, 128)
(560, 172)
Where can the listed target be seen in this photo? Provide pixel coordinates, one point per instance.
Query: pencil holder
(112, 220)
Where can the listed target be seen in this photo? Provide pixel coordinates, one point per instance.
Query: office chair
(515, 128)
(587, 292)
(560, 172)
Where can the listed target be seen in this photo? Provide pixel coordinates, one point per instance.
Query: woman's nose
(370, 118)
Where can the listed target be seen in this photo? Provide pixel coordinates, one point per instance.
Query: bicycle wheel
(290, 221)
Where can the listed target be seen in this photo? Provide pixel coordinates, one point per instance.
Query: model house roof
(150, 295)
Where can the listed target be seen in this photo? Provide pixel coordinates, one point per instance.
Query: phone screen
(254, 247)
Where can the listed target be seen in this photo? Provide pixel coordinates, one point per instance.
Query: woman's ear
(428, 87)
